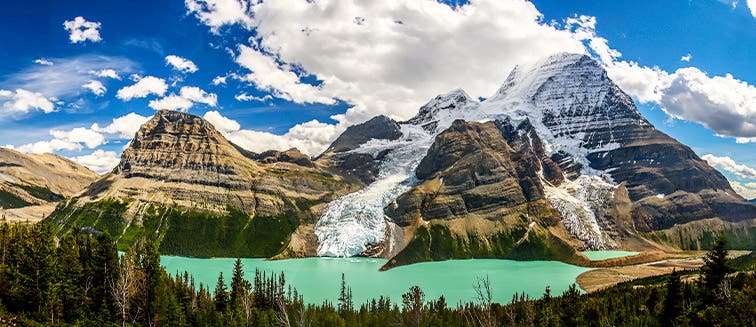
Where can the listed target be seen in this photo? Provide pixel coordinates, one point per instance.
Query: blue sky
(297, 73)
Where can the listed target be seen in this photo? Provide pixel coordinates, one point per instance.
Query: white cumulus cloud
(730, 165)
(124, 127)
(23, 101)
(144, 87)
(83, 135)
(109, 73)
(181, 64)
(221, 123)
(96, 87)
(187, 97)
(218, 80)
(271, 76)
(81, 30)
(246, 97)
(747, 190)
(686, 58)
(752, 7)
(100, 161)
(217, 13)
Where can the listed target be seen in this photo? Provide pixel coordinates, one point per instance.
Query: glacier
(356, 220)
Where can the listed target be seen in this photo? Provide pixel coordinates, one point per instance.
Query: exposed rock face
(31, 180)
(471, 169)
(380, 127)
(359, 167)
(291, 155)
(175, 147)
(179, 164)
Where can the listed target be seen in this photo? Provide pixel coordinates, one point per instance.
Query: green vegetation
(11, 201)
(101, 216)
(436, 243)
(39, 192)
(182, 232)
(686, 238)
(199, 234)
(81, 281)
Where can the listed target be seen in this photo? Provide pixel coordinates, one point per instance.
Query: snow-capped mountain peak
(448, 104)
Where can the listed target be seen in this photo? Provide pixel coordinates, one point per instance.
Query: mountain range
(557, 160)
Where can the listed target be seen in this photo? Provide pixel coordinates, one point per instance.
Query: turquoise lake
(318, 279)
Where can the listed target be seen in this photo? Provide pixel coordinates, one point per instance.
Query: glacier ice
(355, 220)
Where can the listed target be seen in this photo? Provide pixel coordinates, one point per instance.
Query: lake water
(318, 279)
(607, 254)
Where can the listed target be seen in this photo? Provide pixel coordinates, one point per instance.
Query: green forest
(80, 280)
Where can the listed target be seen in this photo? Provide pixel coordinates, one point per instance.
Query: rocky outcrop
(471, 169)
(31, 183)
(379, 127)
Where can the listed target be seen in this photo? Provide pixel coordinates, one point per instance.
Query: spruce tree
(221, 294)
(238, 285)
(672, 300)
(715, 270)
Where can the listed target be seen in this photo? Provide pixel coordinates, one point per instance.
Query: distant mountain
(558, 160)
(31, 184)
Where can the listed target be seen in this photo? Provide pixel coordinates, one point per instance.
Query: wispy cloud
(64, 79)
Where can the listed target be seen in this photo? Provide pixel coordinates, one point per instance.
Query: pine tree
(672, 301)
(156, 285)
(345, 297)
(71, 275)
(239, 286)
(547, 293)
(221, 294)
(715, 270)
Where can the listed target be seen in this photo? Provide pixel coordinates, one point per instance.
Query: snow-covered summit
(526, 80)
(449, 104)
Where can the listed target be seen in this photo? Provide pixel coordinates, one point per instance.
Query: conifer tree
(238, 287)
(715, 270)
(221, 294)
(672, 300)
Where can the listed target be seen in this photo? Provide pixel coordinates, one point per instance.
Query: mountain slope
(181, 183)
(31, 183)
